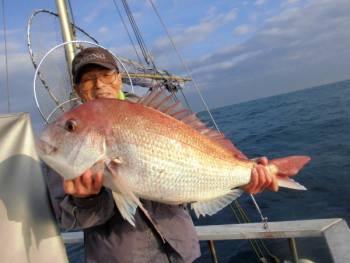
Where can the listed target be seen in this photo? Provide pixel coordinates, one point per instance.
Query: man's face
(97, 82)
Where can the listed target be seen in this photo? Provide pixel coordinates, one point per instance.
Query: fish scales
(155, 146)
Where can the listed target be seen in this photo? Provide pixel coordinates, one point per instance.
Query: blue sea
(314, 122)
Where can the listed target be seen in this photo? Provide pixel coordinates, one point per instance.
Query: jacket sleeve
(78, 213)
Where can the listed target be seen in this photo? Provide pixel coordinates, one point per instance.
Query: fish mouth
(44, 147)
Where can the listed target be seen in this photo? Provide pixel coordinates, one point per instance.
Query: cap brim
(81, 68)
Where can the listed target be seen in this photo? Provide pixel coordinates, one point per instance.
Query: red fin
(159, 100)
(289, 166)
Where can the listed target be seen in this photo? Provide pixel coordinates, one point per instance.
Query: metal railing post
(214, 256)
(293, 249)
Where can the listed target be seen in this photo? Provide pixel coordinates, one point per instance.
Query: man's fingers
(86, 179)
(253, 181)
(80, 189)
(77, 182)
(274, 185)
(97, 183)
(85, 185)
(263, 160)
(262, 178)
(68, 187)
(268, 177)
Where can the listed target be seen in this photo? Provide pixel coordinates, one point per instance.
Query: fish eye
(71, 125)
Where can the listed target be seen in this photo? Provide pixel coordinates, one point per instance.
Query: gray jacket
(109, 238)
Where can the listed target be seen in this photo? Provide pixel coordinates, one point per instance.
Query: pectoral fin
(124, 198)
(126, 207)
(212, 206)
(126, 201)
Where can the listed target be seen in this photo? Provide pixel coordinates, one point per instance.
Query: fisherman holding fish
(114, 230)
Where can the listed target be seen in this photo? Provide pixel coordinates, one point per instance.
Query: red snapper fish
(155, 150)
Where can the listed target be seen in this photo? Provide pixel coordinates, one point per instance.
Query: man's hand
(85, 185)
(261, 178)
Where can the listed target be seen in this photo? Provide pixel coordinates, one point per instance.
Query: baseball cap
(92, 55)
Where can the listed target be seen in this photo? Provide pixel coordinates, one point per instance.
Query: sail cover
(28, 232)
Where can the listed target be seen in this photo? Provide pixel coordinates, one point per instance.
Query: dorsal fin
(159, 100)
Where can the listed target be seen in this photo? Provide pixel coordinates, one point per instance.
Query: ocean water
(314, 122)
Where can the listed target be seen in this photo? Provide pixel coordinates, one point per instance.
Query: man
(84, 203)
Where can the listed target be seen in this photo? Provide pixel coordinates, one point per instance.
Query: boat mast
(66, 29)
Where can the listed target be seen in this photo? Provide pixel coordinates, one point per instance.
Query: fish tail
(289, 166)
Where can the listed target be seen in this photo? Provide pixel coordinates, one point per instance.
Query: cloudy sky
(236, 50)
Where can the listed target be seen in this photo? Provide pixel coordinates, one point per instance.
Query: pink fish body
(152, 155)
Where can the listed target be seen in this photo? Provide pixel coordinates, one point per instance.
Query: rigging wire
(6, 56)
(141, 42)
(172, 91)
(138, 36)
(184, 64)
(186, 101)
(127, 31)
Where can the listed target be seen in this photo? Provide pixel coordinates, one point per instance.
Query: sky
(235, 50)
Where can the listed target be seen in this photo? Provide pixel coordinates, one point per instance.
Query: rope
(127, 31)
(6, 56)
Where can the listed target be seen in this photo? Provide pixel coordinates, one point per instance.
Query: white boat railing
(335, 231)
